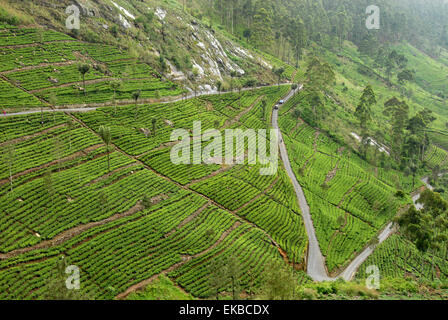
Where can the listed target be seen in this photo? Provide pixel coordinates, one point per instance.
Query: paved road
(351, 269)
(315, 260)
(47, 110)
(85, 109)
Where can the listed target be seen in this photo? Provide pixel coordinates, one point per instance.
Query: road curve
(315, 260)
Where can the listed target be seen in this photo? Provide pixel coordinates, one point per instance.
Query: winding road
(315, 261)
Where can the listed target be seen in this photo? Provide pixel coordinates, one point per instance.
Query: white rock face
(264, 63)
(201, 72)
(380, 147)
(160, 13)
(124, 22)
(126, 12)
(201, 45)
(175, 74)
(242, 52)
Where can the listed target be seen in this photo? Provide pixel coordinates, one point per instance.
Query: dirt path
(68, 234)
(258, 196)
(79, 83)
(297, 126)
(237, 118)
(30, 136)
(177, 183)
(186, 259)
(348, 193)
(188, 219)
(51, 163)
(35, 44)
(38, 66)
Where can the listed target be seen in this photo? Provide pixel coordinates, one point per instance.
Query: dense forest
(292, 25)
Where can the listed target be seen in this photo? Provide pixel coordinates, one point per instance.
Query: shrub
(309, 294)
(400, 194)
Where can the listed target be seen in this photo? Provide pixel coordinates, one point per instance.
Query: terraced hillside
(40, 68)
(152, 217)
(350, 200)
(86, 170)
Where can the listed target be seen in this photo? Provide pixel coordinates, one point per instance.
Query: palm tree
(136, 95)
(106, 136)
(154, 121)
(83, 69)
(115, 85)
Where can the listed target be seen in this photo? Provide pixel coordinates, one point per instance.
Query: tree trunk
(84, 83)
(108, 158)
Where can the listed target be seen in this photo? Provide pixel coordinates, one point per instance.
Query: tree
(103, 201)
(279, 73)
(262, 35)
(146, 202)
(135, 96)
(115, 85)
(340, 221)
(364, 112)
(247, 34)
(319, 75)
(417, 125)
(294, 87)
(405, 75)
(154, 122)
(299, 38)
(219, 86)
(225, 270)
(278, 283)
(374, 242)
(217, 279)
(398, 112)
(106, 136)
(83, 69)
(233, 271)
(56, 288)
